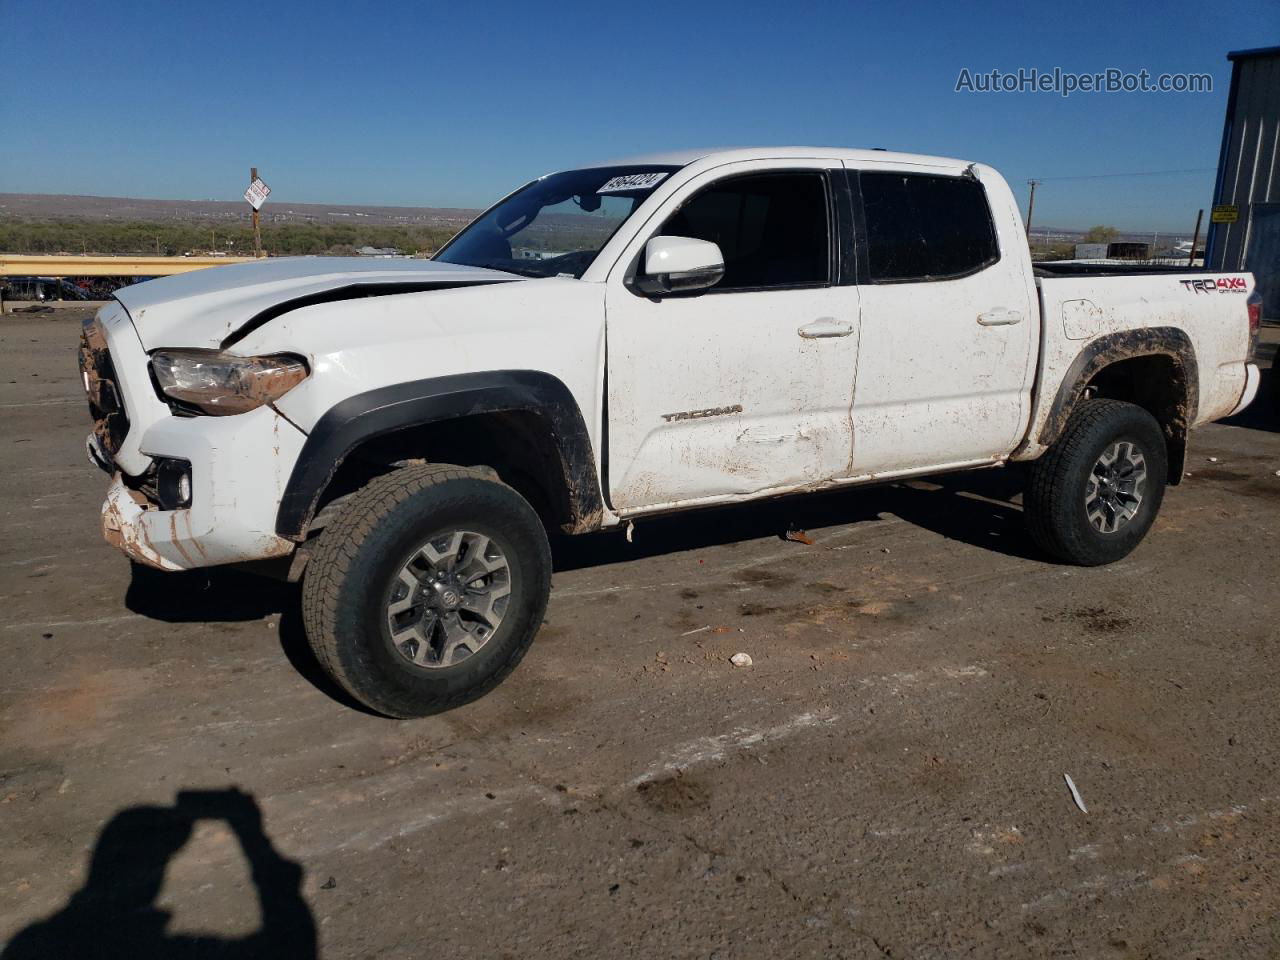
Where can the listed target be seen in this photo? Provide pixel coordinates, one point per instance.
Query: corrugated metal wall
(1249, 176)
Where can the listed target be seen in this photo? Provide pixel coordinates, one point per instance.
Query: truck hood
(213, 307)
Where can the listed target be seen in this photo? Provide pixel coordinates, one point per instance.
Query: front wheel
(1095, 493)
(427, 589)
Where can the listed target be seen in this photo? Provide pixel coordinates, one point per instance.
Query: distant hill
(423, 228)
(56, 206)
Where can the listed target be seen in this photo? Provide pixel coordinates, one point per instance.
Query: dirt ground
(177, 779)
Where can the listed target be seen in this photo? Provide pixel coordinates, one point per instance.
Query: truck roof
(681, 158)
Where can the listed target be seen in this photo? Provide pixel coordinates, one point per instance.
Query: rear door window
(921, 227)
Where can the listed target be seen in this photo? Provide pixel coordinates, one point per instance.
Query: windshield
(555, 226)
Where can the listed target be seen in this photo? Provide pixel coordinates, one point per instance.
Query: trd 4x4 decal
(1220, 285)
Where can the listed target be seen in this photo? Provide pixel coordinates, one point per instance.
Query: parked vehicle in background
(42, 288)
(620, 341)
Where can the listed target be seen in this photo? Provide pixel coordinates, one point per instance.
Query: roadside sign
(258, 192)
(1225, 213)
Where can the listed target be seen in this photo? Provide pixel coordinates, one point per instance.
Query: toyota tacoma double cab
(631, 339)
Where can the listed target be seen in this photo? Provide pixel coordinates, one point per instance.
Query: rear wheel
(428, 588)
(1094, 495)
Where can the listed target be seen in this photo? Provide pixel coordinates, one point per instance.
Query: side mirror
(679, 265)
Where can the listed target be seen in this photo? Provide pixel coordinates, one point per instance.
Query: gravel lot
(886, 780)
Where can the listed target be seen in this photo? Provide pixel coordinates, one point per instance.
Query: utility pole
(1031, 206)
(1195, 238)
(257, 232)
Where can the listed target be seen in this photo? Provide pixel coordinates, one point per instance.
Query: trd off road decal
(1220, 285)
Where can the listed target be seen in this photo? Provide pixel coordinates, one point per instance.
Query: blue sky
(452, 104)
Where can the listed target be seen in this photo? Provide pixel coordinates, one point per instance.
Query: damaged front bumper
(238, 469)
(127, 526)
(186, 491)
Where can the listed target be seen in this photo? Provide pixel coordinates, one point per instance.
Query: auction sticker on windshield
(632, 181)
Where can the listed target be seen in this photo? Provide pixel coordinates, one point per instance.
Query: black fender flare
(1102, 352)
(364, 416)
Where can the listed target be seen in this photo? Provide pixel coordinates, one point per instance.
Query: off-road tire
(345, 586)
(1054, 501)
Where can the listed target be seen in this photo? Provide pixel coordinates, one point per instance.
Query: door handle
(825, 327)
(999, 317)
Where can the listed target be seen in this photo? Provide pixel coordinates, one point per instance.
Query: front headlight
(222, 384)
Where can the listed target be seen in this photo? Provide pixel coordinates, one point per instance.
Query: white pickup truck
(624, 340)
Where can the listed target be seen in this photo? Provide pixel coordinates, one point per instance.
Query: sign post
(1195, 238)
(1031, 207)
(256, 196)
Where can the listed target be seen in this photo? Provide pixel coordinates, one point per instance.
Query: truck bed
(1208, 309)
(1052, 268)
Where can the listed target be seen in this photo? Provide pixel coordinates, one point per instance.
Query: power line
(1146, 173)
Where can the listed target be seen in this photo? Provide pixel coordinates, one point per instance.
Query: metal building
(1244, 232)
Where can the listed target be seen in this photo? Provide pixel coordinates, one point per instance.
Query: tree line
(107, 238)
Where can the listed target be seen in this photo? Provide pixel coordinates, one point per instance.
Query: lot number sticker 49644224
(632, 181)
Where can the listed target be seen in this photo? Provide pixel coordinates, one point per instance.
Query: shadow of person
(114, 914)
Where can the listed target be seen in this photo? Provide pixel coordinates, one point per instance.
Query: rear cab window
(922, 227)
